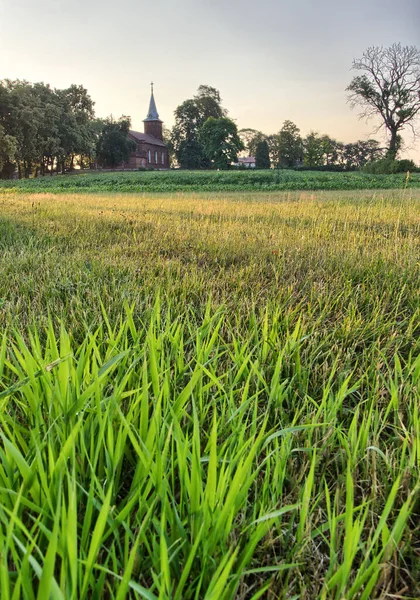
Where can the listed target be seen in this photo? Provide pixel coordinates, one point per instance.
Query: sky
(272, 60)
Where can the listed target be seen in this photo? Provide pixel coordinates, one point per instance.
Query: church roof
(153, 114)
(146, 138)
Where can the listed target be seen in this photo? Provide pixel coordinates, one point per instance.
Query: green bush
(388, 166)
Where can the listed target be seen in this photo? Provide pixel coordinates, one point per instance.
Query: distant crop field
(211, 181)
(209, 395)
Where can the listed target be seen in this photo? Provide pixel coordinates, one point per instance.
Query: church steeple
(153, 114)
(152, 123)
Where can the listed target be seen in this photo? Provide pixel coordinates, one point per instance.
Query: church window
(149, 156)
(163, 158)
(156, 157)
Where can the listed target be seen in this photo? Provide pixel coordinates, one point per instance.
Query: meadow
(210, 181)
(209, 395)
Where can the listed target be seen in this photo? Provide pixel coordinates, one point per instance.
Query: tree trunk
(392, 150)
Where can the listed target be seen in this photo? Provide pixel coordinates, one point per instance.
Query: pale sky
(271, 60)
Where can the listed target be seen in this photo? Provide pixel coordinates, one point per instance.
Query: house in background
(246, 161)
(151, 151)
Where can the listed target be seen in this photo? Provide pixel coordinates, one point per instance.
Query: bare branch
(388, 87)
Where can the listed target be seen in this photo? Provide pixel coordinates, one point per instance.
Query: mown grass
(210, 181)
(210, 396)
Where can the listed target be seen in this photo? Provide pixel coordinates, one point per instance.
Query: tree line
(45, 130)
(203, 136)
(387, 88)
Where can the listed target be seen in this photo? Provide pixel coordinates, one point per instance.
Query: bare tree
(389, 87)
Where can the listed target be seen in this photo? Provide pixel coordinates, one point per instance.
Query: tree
(167, 138)
(250, 139)
(113, 146)
(21, 117)
(313, 150)
(289, 145)
(50, 126)
(389, 87)
(220, 141)
(262, 156)
(330, 150)
(190, 116)
(78, 133)
(273, 142)
(191, 154)
(8, 148)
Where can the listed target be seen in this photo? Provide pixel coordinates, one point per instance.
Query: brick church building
(151, 151)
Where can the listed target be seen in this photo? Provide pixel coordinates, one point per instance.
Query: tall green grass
(182, 460)
(210, 397)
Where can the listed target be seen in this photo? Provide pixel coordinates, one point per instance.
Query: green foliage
(191, 154)
(221, 142)
(8, 148)
(262, 156)
(113, 146)
(211, 181)
(314, 148)
(210, 396)
(50, 127)
(390, 166)
(287, 146)
(190, 116)
(358, 154)
(250, 139)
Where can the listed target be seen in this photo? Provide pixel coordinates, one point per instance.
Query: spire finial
(151, 86)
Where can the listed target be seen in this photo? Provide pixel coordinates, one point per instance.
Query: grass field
(211, 181)
(210, 395)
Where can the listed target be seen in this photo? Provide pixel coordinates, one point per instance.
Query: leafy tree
(313, 150)
(167, 138)
(356, 155)
(330, 150)
(250, 139)
(79, 135)
(209, 103)
(190, 116)
(368, 151)
(273, 142)
(191, 154)
(51, 127)
(389, 87)
(113, 146)
(21, 117)
(289, 145)
(8, 148)
(262, 156)
(220, 141)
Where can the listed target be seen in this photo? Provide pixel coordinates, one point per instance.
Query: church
(151, 151)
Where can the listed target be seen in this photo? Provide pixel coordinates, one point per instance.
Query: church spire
(152, 124)
(153, 114)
